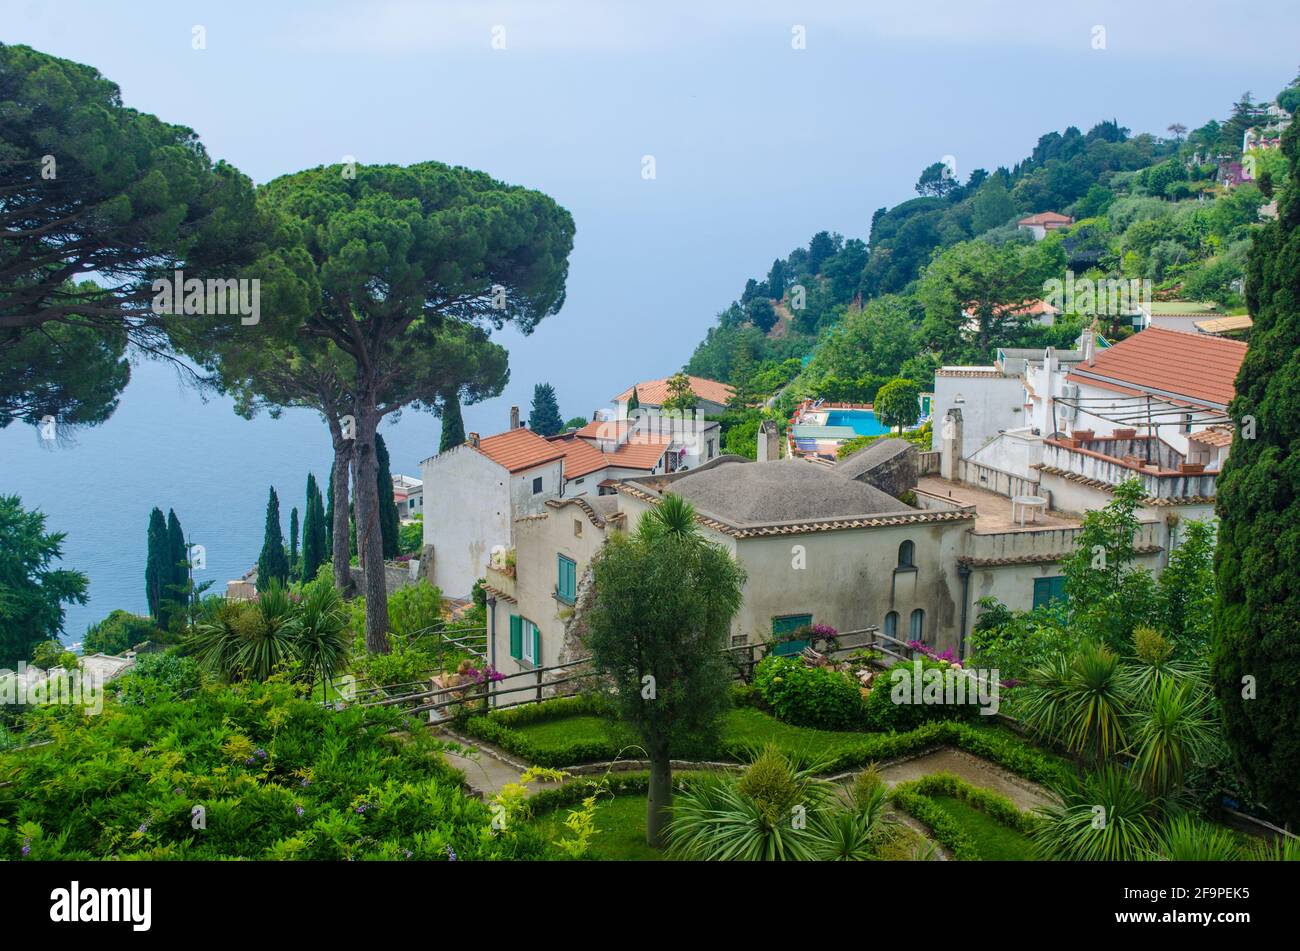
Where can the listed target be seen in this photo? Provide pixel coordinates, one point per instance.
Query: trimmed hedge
(991, 742)
(816, 697)
(614, 783)
(882, 713)
(914, 798)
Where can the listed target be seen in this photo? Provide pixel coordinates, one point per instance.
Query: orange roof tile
(654, 392)
(580, 457)
(643, 452)
(1217, 436)
(519, 449)
(1046, 218)
(1193, 366)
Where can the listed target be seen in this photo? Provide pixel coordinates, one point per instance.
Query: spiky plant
(1188, 839)
(1079, 701)
(1173, 730)
(1101, 817)
(320, 631)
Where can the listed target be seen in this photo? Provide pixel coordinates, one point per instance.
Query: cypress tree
(316, 548)
(157, 574)
(1256, 651)
(272, 562)
(453, 426)
(389, 522)
(545, 418)
(178, 581)
(293, 540)
(329, 512)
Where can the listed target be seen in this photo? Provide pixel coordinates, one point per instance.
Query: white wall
(991, 403)
(466, 513)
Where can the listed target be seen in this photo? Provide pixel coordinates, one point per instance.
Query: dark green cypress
(453, 426)
(178, 582)
(389, 522)
(272, 563)
(1256, 657)
(316, 546)
(156, 571)
(293, 539)
(545, 418)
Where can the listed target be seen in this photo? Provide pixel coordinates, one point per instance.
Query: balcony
(500, 575)
(1163, 471)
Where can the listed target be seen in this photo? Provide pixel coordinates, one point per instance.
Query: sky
(767, 122)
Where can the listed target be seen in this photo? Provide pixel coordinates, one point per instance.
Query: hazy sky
(757, 145)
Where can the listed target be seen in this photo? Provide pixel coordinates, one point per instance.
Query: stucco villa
(712, 396)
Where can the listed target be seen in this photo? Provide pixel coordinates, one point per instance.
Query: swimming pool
(863, 422)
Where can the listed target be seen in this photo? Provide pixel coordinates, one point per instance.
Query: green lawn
(620, 822)
(995, 841)
(745, 726)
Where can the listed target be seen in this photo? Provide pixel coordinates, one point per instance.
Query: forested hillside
(843, 316)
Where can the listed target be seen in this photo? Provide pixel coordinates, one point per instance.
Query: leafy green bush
(808, 696)
(882, 713)
(158, 677)
(119, 632)
(277, 776)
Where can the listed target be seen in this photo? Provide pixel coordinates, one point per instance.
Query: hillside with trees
(842, 317)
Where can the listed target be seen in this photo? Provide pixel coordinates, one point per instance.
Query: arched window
(891, 624)
(907, 554)
(917, 626)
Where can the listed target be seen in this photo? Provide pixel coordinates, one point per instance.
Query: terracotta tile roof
(1026, 308)
(654, 392)
(519, 449)
(580, 457)
(1214, 436)
(1045, 218)
(1192, 366)
(596, 429)
(643, 452)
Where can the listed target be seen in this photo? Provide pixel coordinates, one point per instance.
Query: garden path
(976, 771)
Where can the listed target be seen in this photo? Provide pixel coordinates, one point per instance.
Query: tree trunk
(339, 530)
(370, 540)
(660, 798)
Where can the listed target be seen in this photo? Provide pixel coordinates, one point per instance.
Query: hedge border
(915, 799)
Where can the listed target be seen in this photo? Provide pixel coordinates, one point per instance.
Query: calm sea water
(165, 446)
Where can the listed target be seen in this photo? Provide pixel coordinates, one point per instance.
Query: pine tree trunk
(370, 539)
(339, 530)
(659, 800)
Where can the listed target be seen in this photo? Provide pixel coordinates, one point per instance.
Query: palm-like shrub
(1080, 702)
(1174, 729)
(1187, 839)
(1101, 817)
(777, 810)
(320, 631)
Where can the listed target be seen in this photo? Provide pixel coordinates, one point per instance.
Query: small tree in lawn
(657, 621)
(545, 419)
(272, 563)
(896, 403)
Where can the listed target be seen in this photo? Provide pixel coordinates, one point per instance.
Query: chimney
(769, 441)
(950, 452)
(514, 417)
(473, 440)
(1090, 349)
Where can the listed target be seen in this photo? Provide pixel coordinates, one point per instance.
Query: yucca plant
(1173, 730)
(1153, 663)
(1188, 839)
(1078, 701)
(1282, 849)
(1102, 817)
(762, 815)
(320, 631)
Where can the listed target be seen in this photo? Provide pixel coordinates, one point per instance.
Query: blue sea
(165, 446)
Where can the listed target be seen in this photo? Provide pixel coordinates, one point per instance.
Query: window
(1047, 590)
(1187, 422)
(907, 554)
(537, 485)
(710, 448)
(916, 629)
(783, 627)
(577, 528)
(566, 583)
(580, 481)
(891, 624)
(525, 640)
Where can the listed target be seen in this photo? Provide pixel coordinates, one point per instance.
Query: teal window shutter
(537, 645)
(516, 637)
(1047, 590)
(566, 583)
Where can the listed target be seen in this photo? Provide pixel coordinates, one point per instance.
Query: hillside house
(1044, 221)
(651, 394)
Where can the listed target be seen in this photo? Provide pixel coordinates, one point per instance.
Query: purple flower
(363, 807)
(299, 810)
(407, 852)
(824, 630)
(451, 854)
(27, 846)
(305, 783)
(259, 753)
(144, 827)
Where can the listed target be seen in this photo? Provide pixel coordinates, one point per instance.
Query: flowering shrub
(808, 696)
(883, 713)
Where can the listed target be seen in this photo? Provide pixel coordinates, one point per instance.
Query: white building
(712, 396)
(1043, 222)
(408, 496)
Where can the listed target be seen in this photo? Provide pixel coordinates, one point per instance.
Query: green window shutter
(516, 637)
(1047, 590)
(566, 579)
(537, 645)
(786, 625)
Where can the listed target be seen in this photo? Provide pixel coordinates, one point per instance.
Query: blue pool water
(861, 421)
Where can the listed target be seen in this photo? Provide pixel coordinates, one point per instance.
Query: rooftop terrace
(992, 511)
